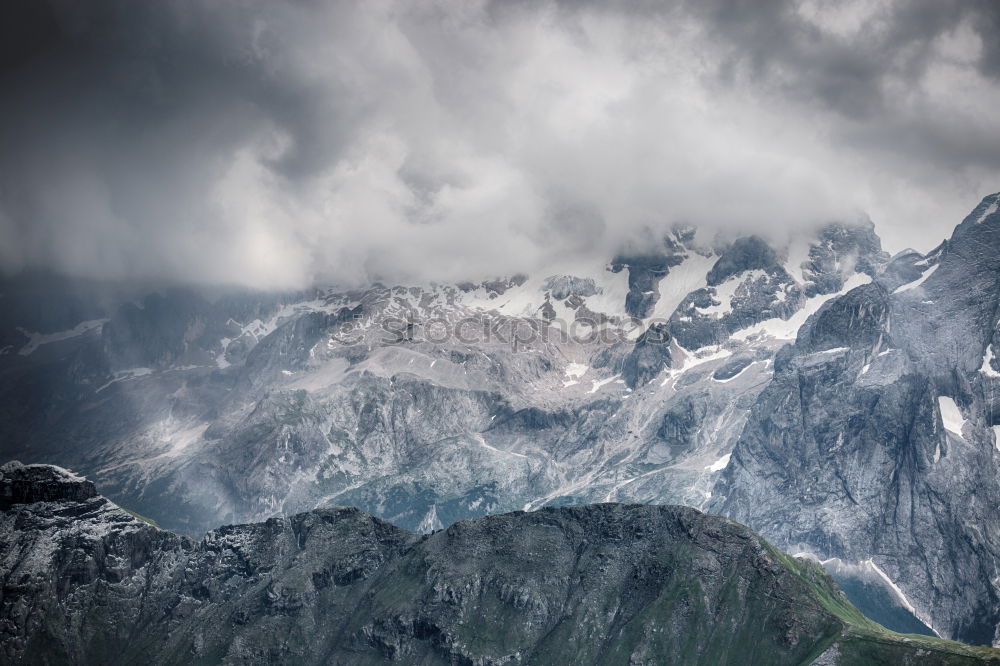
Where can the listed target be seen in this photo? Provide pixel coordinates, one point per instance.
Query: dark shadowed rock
(745, 254)
(562, 287)
(26, 484)
(649, 356)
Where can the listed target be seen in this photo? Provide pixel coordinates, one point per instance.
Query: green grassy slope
(863, 642)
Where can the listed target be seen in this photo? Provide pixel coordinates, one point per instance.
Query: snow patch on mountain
(691, 359)
(124, 375)
(951, 415)
(987, 367)
(719, 464)
(835, 350)
(992, 208)
(575, 371)
(612, 288)
(482, 442)
(430, 522)
(680, 281)
(598, 383)
(916, 283)
(605, 294)
(36, 340)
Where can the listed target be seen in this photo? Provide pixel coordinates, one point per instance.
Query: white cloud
(272, 144)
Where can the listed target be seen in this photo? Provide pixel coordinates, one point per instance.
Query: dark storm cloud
(273, 144)
(862, 75)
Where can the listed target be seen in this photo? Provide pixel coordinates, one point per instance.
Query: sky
(280, 144)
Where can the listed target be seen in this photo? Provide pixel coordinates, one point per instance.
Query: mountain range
(836, 400)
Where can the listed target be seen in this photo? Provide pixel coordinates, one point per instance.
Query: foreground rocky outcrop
(85, 582)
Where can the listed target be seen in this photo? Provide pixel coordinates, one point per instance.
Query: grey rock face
(842, 245)
(874, 439)
(906, 267)
(84, 582)
(179, 327)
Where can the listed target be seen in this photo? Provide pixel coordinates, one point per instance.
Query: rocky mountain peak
(745, 254)
(985, 211)
(26, 484)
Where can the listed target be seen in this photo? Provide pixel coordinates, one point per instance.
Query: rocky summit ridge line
(85, 582)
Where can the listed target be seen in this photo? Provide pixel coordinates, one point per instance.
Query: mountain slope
(604, 584)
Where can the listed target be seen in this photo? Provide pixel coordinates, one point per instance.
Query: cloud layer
(278, 144)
